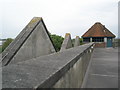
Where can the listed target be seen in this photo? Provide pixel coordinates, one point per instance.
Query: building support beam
(90, 39)
(105, 39)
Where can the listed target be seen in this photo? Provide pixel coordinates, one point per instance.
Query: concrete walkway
(103, 69)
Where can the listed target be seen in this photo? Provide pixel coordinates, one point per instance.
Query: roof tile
(98, 30)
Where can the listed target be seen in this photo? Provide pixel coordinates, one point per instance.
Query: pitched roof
(98, 30)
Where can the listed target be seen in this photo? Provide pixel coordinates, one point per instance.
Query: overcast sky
(60, 16)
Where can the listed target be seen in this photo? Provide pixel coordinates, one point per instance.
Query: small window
(98, 39)
(86, 39)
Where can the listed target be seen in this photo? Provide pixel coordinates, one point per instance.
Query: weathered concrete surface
(74, 77)
(32, 42)
(103, 71)
(77, 41)
(67, 43)
(44, 71)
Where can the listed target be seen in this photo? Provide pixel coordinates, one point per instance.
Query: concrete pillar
(113, 39)
(105, 39)
(67, 43)
(113, 42)
(77, 41)
(90, 39)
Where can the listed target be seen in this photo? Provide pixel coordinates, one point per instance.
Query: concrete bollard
(67, 43)
(77, 41)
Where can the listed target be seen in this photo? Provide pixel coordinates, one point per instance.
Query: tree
(57, 41)
(6, 43)
(81, 41)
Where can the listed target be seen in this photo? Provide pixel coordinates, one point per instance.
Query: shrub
(57, 41)
(6, 43)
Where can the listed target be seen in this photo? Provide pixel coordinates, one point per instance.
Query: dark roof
(98, 30)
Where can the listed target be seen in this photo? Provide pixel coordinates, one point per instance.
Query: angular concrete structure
(77, 41)
(67, 43)
(32, 42)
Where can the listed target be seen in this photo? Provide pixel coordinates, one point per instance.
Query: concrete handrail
(49, 71)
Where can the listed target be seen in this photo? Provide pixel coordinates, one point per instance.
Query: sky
(60, 16)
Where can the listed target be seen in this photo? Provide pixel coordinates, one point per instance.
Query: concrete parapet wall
(100, 45)
(58, 70)
(73, 78)
(116, 44)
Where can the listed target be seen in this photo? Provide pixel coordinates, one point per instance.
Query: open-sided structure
(100, 34)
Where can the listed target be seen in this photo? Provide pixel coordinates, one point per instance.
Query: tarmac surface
(103, 69)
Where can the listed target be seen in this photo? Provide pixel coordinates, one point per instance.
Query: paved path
(103, 69)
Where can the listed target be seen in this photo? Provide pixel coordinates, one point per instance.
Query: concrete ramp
(77, 41)
(67, 43)
(32, 42)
